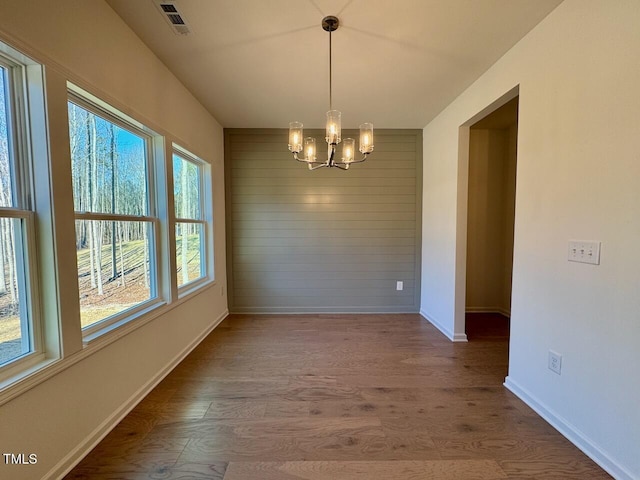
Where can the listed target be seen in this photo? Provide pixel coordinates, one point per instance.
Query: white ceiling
(397, 64)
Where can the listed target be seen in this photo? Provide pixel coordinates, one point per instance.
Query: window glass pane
(186, 188)
(113, 267)
(189, 247)
(108, 165)
(6, 174)
(14, 325)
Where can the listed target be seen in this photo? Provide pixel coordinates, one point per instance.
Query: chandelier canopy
(333, 134)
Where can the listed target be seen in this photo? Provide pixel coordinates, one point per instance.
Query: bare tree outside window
(114, 232)
(190, 232)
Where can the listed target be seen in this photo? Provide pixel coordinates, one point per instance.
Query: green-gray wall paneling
(326, 240)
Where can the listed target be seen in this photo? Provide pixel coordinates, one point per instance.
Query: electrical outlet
(399, 285)
(584, 252)
(555, 362)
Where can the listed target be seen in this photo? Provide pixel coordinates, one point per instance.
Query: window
(191, 227)
(116, 226)
(126, 228)
(19, 327)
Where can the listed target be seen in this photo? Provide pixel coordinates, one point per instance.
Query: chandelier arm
(354, 161)
(302, 160)
(320, 165)
(295, 155)
(341, 166)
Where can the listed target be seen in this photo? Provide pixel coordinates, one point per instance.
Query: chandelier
(333, 134)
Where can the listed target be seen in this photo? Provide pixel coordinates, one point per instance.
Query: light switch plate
(583, 251)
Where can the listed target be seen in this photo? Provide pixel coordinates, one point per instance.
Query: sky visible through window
(108, 165)
(5, 167)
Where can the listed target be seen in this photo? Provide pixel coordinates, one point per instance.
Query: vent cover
(168, 8)
(169, 11)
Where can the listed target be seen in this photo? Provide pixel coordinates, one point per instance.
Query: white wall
(578, 178)
(85, 42)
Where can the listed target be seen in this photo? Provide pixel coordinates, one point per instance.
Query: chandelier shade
(366, 138)
(295, 137)
(310, 150)
(334, 127)
(333, 131)
(348, 148)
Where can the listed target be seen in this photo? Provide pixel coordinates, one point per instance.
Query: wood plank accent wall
(327, 240)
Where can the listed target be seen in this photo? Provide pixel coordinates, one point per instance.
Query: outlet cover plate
(555, 362)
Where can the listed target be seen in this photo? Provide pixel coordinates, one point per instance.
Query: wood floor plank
(507, 447)
(357, 470)
(293, 408)
(324, 448)
(192, 471)
(319, 397)
(442, 377)
(553, 466)
(234, 408)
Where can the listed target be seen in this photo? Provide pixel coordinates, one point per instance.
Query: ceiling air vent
(171, 14)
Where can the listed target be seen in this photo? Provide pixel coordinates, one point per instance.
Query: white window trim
(206, 252)
(19, 143)
(94, 105)
(27, 285)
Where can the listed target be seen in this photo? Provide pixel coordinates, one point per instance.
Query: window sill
(123, 326)
(194, 287)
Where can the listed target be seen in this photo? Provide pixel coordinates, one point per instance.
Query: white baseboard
(313, 310)
(573, 434)
(454, 337)
(64, 466)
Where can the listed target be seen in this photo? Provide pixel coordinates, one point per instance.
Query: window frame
(95, 106)
(41, 189)
(205, 209)
(20, 159)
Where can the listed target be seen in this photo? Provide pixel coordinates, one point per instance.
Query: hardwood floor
(330, 397)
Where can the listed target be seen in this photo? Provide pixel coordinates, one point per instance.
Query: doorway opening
(490, 223)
